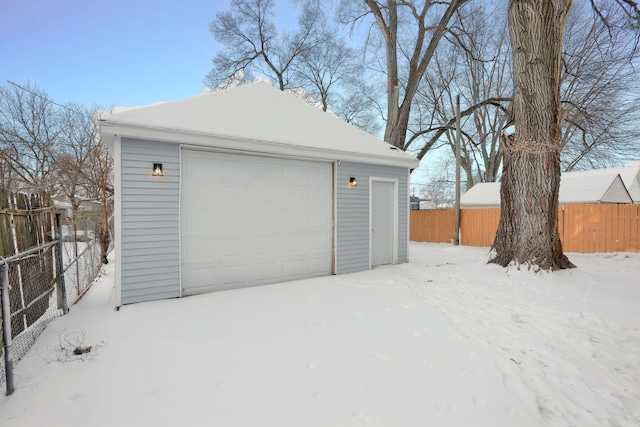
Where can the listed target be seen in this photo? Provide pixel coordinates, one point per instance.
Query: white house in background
(427, 204)
(251, 186)
(575, 188)
(630, 175)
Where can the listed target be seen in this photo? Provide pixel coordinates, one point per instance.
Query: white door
(250, 220)
(383, 234)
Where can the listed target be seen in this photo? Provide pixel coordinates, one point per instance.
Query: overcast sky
(116, 53)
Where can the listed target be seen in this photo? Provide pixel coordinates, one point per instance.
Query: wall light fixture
(157, 169)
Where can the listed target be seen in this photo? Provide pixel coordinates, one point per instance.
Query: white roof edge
(110, 130)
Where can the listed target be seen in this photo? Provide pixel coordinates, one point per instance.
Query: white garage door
(250, 220)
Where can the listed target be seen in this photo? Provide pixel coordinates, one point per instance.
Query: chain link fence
(81, 252)
(43, 281)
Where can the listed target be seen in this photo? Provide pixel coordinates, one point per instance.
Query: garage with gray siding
(257, 187)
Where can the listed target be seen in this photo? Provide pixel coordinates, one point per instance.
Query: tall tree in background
(599, 90)
(477, 67)
(599, 87)
(253, 44)
(424, 24)
(325, 66)
(29, 136)
(45, 146)
(77, 139)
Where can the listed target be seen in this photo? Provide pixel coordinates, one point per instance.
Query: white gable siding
(150, 265)
(617, 193)
(352, 225)
(634, 188)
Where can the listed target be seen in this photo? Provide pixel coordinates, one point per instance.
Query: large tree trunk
(528, 229)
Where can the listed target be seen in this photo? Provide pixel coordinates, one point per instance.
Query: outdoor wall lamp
(157, 169)
(353, 182)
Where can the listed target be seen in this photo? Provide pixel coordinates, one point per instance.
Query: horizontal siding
(150, 221)
(352, 220)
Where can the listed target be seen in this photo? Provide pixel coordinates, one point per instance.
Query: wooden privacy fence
(583, 228)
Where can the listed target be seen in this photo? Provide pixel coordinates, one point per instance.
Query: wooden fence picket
(583, 228)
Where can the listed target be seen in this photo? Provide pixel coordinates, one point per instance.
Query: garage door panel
(317, 266)
(198, 250)
(293, 220)
(316, 241)
(249, 220)
(264, 244)
(293, 269)
(267, 272)
(232, 172)
(235, 274)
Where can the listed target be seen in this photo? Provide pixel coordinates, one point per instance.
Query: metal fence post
(61, 285)
(6, 326)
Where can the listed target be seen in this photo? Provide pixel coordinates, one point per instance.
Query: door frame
(394, 181)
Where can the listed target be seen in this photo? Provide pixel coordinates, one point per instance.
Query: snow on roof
(248, 116)
(606, 186)
(577, 187)
(630, 175)
(483, 194)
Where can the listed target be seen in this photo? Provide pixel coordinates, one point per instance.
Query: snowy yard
(445, 340)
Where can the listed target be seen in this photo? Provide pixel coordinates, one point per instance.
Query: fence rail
(583, 228)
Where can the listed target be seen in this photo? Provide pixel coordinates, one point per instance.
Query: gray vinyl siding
(150, 245)
(352, 217)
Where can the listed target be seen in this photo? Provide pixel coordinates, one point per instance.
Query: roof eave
(109, 130)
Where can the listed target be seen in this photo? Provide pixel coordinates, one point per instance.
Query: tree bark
(528, 228)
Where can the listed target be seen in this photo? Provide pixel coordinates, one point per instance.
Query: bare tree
(77, 139)
(528, 228)
(29, 135)
(476, 66)
(358, 105)
(7, 175)
(325, 66)
(600, 88)
(98, 185)
(253, 44)
(411, 31)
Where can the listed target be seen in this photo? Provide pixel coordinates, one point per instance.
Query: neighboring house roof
(630, 175)
(575, 187)
(483, 194)
(578, 187)
(245, 117)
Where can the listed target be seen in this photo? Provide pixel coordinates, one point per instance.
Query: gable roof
(481, 195)
(630, 175)
(574, 188)
(257, 118)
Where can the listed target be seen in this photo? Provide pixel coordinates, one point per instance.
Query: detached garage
(249, 186)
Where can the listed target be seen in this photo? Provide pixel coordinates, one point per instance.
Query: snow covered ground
(445, 340)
